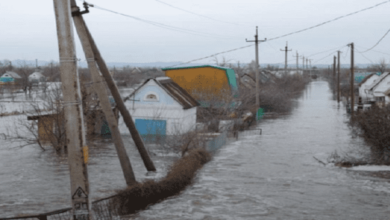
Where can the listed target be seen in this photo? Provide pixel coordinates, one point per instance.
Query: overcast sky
(28, 30)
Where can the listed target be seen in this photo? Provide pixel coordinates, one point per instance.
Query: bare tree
(381, 67)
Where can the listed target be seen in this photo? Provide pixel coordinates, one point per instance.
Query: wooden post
(334, 73)
(352, 79)
(74, 125)
(100, 90)
(338, 76)
(119, 102)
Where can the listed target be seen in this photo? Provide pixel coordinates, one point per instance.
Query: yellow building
(205, 82)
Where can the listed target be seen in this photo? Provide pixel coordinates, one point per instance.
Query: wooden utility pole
(352, 78)
(285, 59)
(73, 112)
(303, 64)
(119, 103)
(297, 56)
(334, 73)
(258, 66)
(338, 76)
(100, 89)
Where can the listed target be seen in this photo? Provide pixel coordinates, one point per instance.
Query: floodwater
(274, 175)
(33, 181)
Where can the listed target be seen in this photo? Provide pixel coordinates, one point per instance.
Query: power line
(193, 12)
(376, 43)
(334, 49)
(366, 57)
(372, 50)
(326, 22)
(312, 27)
(157, 24)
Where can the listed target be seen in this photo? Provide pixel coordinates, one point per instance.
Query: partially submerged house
(376, 91)
(9, 77)
(160, 107)
(364, 85)
(205, 82)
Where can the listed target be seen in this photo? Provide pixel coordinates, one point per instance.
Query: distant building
(9, 77)
(36, 77)
(161, 107)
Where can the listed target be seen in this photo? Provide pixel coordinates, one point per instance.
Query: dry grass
(181, 174)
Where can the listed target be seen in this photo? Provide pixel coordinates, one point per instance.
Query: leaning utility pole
(285, 60)
(73, 113)
(297, 56)
(338, 76)
(119, 103)
(352, 78)
(257, 67)
(100, 89)
(334, 73)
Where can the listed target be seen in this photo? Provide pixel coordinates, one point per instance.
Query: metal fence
(216, 142)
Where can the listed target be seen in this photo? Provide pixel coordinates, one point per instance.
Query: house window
(151, 97)
(380, 99)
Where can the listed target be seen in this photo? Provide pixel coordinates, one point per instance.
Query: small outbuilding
(160, 107)
(378, 89)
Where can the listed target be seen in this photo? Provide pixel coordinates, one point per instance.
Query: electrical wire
(376, 42)
(296, 32)
(157, 24)
(326, 22)
(172, 6)
(334, 49)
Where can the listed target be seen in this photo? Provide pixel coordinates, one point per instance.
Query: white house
(159, 106)
(36, 77)
(363, 87)
(378, 89)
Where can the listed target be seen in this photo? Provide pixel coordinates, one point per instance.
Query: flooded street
(274, 176)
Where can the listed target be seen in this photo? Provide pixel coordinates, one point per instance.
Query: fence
(101, 210)
(215, 142)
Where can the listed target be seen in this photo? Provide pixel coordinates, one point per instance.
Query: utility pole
(258, 66)
(73, 113)
(310, 66)
(119, 102)
(297, 56)
(338, 76)
(285, 61)
(334, 73)
(100, 89)
(352, 78)
(303, 64)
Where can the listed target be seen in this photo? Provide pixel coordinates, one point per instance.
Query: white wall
(166, 108)
(363, 89)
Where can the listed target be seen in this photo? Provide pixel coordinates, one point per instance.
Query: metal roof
(11, 74)
(173, 89)
(379, 80)
(196, 66)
